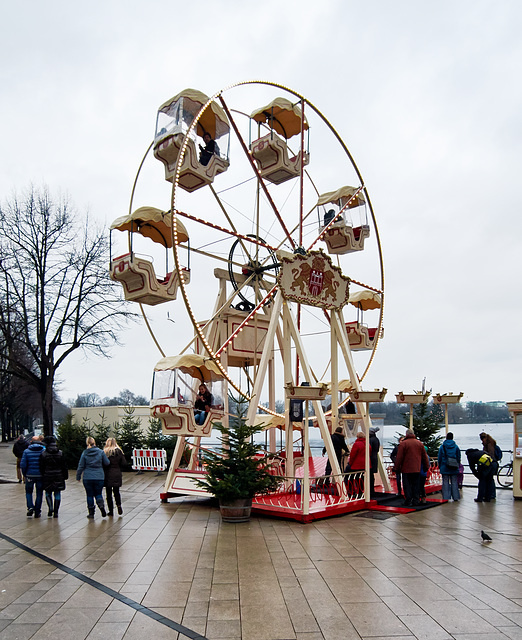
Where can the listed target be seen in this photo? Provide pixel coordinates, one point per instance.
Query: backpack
(498, 453)
(485, 460)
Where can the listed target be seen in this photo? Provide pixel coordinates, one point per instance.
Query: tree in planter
(233, 471)
(129, 434)
(428, 420)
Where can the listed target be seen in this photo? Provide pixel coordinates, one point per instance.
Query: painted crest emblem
(312, 279)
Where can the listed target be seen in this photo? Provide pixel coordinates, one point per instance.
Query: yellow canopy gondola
(282, 116)
(197, 366)
(366, 300)
(343, 192)
(151, 223)
(213, 120)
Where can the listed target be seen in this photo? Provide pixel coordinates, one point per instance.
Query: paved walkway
(166, 571)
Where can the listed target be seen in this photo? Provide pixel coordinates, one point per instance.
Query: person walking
(113, 475)
(54, 474)
(411, 457)
(19, 447)
(30, 467)
(340, 448)
(449, 462)
(92, 462)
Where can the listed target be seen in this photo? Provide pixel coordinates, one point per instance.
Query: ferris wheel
(275, 248)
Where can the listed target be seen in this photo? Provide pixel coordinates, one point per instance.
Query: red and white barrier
(149, 460)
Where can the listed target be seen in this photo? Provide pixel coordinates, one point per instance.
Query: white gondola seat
(341, 238)
(140, 283)
(180, 420)
(271, 154)
(193, 175)
(361, 337)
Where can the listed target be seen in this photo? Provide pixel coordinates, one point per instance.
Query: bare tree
(56, 291)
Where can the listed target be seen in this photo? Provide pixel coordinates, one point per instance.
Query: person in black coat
(113, 475)
(208, 150)
(375, 446)
(340, 448)
(19, 447)
(54, 474)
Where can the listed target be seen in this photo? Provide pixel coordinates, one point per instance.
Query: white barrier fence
(149, 460)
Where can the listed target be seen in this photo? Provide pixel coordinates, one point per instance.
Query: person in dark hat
(340, 448)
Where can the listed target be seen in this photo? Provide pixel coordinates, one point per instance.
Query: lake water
(466, 436)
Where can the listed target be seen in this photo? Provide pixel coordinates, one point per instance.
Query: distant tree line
(124, 398)
(466, 413)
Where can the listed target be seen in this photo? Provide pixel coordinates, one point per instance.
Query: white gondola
(360, 336)
(275, 161)
(175, 388)
(338, 231)
(174, 119)
(136, 273)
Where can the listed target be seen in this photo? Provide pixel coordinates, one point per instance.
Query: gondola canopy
(151, 223)
(282, 116)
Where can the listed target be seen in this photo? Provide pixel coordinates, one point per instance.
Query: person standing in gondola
(208, 150)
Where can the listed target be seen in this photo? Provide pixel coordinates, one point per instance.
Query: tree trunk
(47, 406)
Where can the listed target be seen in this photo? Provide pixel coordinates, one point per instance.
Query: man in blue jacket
(30, 466)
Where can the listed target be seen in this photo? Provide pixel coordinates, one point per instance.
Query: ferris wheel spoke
(256, 171)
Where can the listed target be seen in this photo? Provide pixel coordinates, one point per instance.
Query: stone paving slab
(175, 571)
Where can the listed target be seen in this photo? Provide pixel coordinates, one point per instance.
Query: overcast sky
(427, 96)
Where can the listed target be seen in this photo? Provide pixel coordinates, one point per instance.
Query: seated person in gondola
(328, 217)
(202, 404)
(208, 150)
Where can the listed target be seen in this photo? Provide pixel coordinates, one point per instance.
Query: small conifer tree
(234, 471)
(129, 434)
(101, 431)
(427, 422)
(71, 440)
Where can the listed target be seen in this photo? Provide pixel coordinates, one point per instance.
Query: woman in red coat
(357, 454)
(356, 462)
